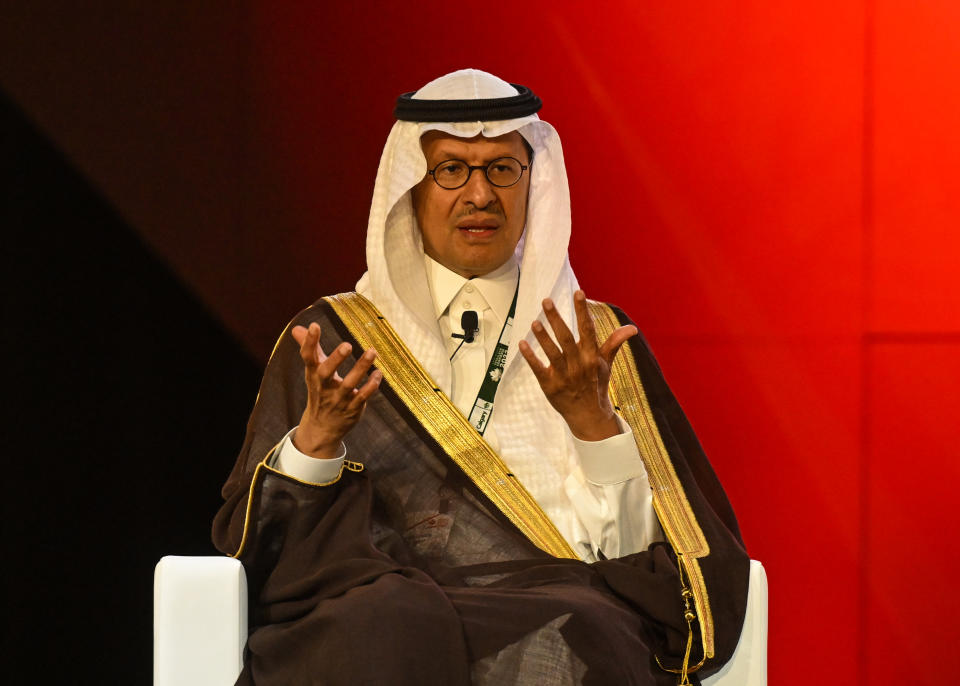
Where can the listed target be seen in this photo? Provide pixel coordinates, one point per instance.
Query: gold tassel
(683, 674)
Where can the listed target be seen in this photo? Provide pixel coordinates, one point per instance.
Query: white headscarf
(533, 438)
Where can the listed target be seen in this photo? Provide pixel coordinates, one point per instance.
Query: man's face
(474, 229)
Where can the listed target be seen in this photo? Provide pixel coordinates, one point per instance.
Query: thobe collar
(496, 287)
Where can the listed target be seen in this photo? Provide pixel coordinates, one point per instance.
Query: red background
(771, 190)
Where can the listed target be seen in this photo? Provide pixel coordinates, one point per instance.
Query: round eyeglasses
(503, 172)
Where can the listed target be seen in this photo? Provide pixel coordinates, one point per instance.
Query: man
(429, 493)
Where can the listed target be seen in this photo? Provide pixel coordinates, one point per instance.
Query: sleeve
(292, 462)
(611, 495)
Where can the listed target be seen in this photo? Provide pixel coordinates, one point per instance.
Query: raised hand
(334, 404)
(577, 380)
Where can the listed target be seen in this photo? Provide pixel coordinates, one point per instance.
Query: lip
(479, 233)
(478, 224)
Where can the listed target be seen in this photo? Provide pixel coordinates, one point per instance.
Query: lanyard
(483, 405)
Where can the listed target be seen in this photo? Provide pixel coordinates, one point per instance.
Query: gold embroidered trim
(669, 499)
(446, 424)
(249, 508)
(274, 352)
(702, 601)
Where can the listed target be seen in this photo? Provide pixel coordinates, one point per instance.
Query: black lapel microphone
(470, 323)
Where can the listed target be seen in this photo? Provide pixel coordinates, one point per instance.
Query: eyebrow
(443, 154)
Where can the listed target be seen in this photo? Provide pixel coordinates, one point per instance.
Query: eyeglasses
(503, 172)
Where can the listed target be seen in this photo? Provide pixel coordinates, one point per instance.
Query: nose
(478, 191)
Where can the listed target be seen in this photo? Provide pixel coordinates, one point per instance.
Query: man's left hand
(576, 382)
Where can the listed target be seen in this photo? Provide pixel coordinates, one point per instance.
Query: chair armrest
(748, 666)
(199, 621)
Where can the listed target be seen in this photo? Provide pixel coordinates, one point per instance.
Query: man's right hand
(334, 404)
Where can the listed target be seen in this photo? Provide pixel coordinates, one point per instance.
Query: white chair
(200, 625)
(199, 621)
(748, 666)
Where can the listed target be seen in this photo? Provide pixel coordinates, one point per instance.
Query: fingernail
(345, 348)
(536, 326)
(548, 304)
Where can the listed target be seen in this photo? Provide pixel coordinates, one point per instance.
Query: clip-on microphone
(470, 323)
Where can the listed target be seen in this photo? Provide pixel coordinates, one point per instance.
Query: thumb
(612, 345)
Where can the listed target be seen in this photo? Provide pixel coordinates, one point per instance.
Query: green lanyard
(483, 405)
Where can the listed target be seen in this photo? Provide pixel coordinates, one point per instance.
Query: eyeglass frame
(484, 167)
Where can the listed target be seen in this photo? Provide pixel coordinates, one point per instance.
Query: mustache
(493, 208)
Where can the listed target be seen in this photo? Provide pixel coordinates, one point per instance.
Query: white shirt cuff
(289, 460)
(612, 460)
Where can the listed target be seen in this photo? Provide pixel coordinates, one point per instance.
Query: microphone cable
(470, 323)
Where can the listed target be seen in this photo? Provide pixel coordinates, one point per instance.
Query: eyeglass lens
(502, 172)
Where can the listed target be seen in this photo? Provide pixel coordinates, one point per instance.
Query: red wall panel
(911, 556)
(779, 422)
(738, 164)
(916, 250)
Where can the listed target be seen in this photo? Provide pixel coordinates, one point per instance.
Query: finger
(359, 370)
(550, 348)
(309, 341)
(538, 368)
(300, 332)
(610, 347)
(327, 369)
(560, 330)
(588, 333)
(363, 394)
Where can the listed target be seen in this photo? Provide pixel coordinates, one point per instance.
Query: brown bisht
(426, 562)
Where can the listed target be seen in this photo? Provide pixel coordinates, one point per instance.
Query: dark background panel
(125, 401)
